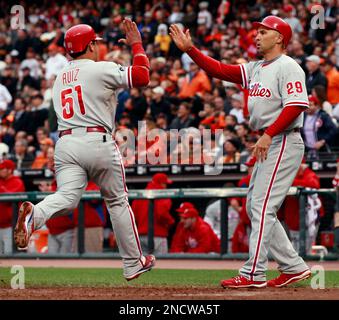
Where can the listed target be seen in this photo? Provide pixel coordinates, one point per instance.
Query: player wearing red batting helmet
(277, 99)
(277, 24)
(84, 99)
(77, 38)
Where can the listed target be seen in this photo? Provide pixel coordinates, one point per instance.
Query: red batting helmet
(277, 24)
(78, 37)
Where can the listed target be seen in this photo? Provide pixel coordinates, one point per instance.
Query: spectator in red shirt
(95, 220)
(8, 184)
(162, 217)
(193, 234)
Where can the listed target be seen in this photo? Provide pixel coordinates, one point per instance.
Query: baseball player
(84, 98)
(277, 99)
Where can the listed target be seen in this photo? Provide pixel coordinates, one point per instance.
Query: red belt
(88, 129)
(262, 131)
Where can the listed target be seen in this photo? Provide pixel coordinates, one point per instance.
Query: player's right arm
(214, 68)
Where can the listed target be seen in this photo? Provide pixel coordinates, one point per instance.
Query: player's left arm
(139, 71)
(137, 75)
(294, 101)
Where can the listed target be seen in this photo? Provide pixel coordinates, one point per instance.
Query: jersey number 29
(67, 102)
(297, 86)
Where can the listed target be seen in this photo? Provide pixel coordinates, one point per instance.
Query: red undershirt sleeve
(216, 69)
(140, 67)
(286, 117)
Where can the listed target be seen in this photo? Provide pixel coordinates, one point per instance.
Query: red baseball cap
(189, 213)
(184, 206)
(313, 99)
(161, 178)
(7, 164)
(288, 8)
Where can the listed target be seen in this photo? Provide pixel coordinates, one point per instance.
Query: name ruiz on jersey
(70, 76)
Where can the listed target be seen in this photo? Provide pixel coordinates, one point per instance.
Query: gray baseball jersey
(272, 86)
(84, 93)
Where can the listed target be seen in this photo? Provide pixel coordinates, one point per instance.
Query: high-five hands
(132, 33)
(182, 40)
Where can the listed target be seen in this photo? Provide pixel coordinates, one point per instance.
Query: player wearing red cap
(193, 234)
(277, 99)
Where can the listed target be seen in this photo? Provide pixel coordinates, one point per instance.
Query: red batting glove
(335, 181)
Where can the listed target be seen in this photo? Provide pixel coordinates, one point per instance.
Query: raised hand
(132, 33)
(182, 40)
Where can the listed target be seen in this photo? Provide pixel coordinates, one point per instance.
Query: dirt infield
(168, 293)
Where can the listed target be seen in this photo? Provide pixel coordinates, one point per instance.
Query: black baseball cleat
(147, 266)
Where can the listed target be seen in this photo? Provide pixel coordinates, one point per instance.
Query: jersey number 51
(67, 102)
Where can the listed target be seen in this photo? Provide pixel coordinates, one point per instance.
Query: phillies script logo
(257, 91)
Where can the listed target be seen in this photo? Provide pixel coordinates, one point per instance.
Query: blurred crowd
(180, 95)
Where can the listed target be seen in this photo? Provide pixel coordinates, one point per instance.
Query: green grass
(100, 277)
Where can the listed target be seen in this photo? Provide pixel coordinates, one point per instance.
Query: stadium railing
(195, 193)
(325, 167)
